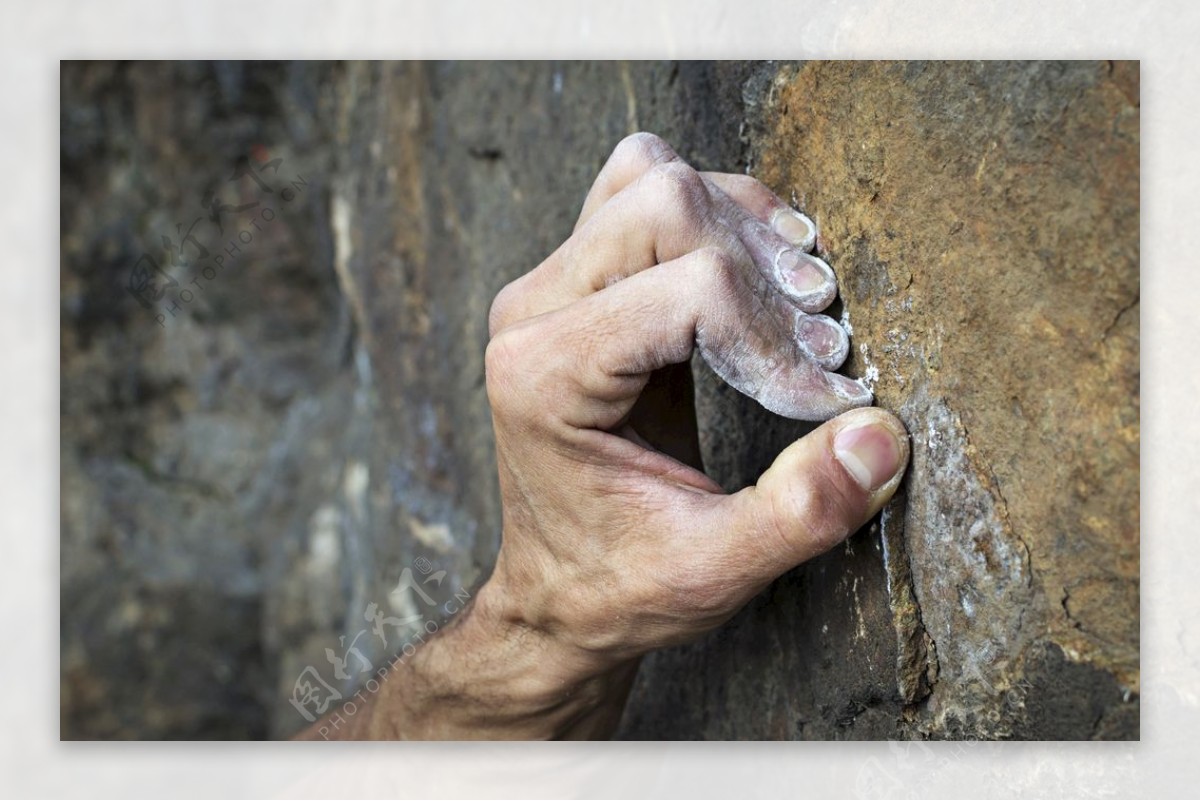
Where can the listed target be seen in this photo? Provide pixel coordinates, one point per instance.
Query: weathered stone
(192, 453)
(282, 454)
(982, 219)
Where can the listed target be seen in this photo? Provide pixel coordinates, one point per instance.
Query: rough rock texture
(982, 219)
(242, 483)
(190, 451)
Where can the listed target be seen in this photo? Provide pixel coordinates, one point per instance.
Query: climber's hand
(612, 548)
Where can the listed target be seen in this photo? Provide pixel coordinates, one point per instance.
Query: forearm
(486, 676)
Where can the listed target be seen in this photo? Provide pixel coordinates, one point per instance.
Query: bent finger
(754, 196)
(592, 359)
(633, 156)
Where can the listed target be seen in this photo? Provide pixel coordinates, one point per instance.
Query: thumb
(821, 489)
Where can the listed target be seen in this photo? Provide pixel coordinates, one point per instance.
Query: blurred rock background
(249, 468)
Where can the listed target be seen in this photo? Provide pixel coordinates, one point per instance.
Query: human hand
(615, 543)
(612, 547)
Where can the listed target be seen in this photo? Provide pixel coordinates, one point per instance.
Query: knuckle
(505, 307)
(717, 269)
(679, 188)
(642, 150)
(502, 361)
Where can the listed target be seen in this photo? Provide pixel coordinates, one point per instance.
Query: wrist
(491, 674)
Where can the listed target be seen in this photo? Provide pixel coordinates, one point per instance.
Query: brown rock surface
(983, 220)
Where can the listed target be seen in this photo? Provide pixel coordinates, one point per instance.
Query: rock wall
(243, 479)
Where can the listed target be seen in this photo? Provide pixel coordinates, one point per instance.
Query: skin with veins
(767, 338)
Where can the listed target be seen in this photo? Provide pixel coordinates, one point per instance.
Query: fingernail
(795, 228)
(803, 273)
(821, 337)
(870, 453)
(851, 391)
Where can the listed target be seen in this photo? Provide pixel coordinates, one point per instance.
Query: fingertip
(826, 485)
(810, 393)
(807, 280)
(872, 445)
(795, 227)
(850, 393)
(822, 339)
(871, 451)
